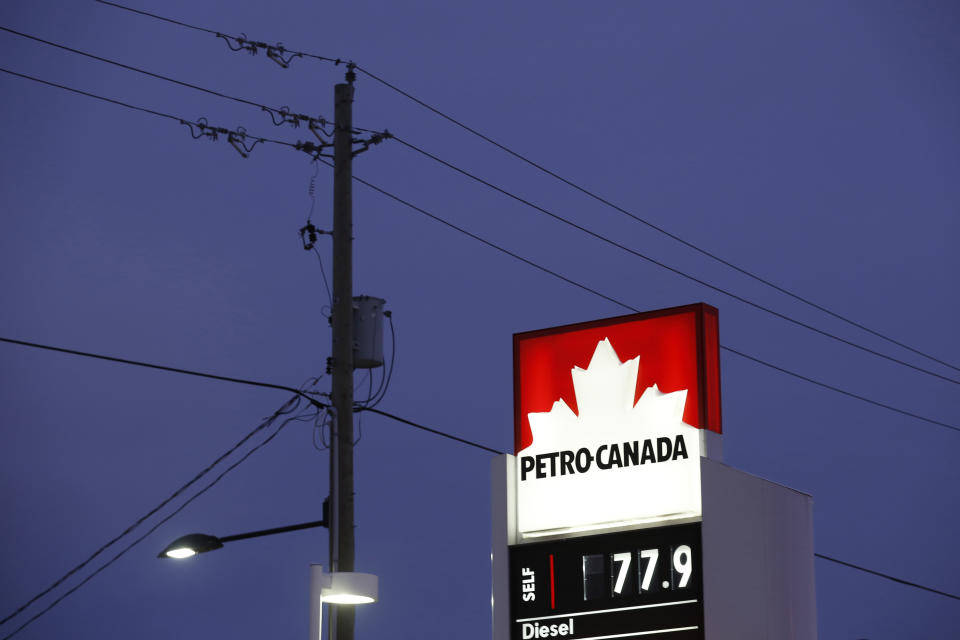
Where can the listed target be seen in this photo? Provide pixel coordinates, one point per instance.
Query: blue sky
(815, 145)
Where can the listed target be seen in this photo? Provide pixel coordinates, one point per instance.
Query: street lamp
(338, 587)
(194, 543)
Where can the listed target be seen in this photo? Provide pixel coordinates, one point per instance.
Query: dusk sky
(815, 145)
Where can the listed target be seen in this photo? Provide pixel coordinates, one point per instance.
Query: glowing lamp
(194, 543)
(190, 545)
(340, 588)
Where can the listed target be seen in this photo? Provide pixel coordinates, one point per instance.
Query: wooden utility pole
(341, 450)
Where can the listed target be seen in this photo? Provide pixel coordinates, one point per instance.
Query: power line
(492, 245)
(819, 555)
(468, 174)
(308, 146)
(531, 263)
(628, 213)
(663, 265)
(286, 408)
(598, 198)
(838, 389)
(138, 70)
(240, 40)
(153, 15)
(395, 417)
(131, 68)
(649, 224)
(237, 137)
(437, 432)
(149, 365)
(487, 242)
(283, 112)
(887, 576)
(92, 95)
(624, 305)
(515, 256)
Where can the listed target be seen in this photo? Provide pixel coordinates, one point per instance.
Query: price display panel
(644, 583)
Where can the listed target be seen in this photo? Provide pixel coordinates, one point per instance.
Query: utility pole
(341, 449)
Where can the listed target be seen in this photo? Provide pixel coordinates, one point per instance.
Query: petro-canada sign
(609, 420)
(616, 518)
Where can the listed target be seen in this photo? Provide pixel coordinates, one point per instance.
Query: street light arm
(189, 545)
(270, 532)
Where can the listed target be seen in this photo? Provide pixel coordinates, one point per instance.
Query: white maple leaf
(577, 474)
(605, 391)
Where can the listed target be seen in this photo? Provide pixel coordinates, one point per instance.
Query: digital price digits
(628, 573)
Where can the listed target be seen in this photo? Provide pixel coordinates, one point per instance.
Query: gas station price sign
(638, 583)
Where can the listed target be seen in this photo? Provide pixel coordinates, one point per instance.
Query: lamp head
(190, 545)
(338, 588)
(342, 587)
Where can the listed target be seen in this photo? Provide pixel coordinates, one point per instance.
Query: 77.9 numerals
(644, 571)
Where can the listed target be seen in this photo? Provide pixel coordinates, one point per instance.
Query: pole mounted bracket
(375, 138)
(351, 74)
(313, 149)
(309, 233)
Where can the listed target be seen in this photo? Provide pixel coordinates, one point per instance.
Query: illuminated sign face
(607, 435)
(644, 582)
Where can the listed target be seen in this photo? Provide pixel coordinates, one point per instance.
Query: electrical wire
(393, 357)
(435, 432)
(541, 268)
(309, 241)
(838, 389)
(887, 576)
(663, 265)
(92, 95)
(142, 71)
(497, 451)
(160, 367)
(482, 240)
(286, 116)
(592, 195)
(374, 399)
(288, 407)
(201, 125)
(504, 192)
(319, 428)
(636, 310)
(158, 17)
(360, 423)
(410, 423)
(324, 274)
(210, 31)
(370, 392)
(368, 378)
(325, 413)
(651, 225)
(312, 191)
(501, 249)
(672, 236)
(496, 188)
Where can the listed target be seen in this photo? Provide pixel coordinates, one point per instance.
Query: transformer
(367, 332)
